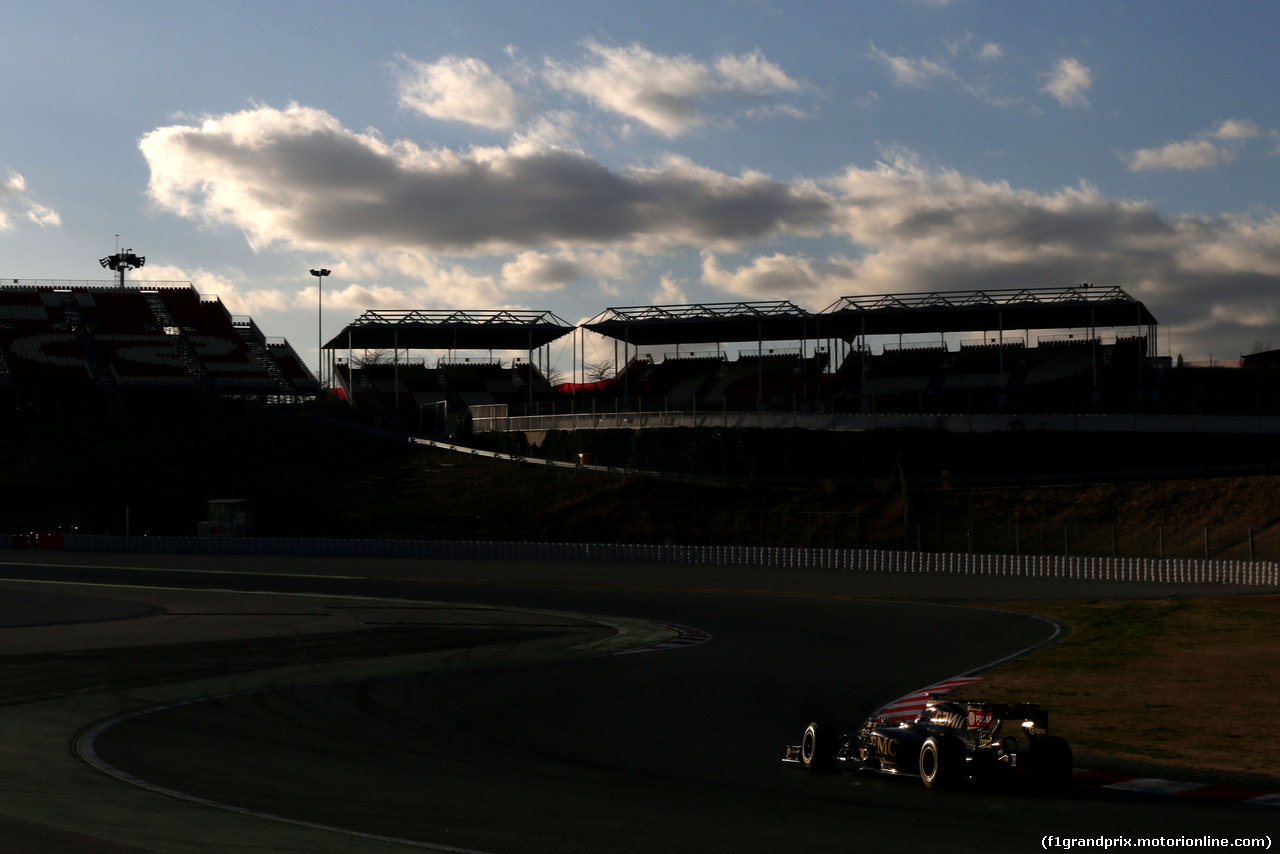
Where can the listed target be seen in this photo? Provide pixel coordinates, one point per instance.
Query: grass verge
(1178, 681)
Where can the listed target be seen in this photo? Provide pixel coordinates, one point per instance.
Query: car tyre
(818, 749)
(941, 762)
(1052, 763)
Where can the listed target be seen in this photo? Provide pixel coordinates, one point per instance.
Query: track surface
(673, 750)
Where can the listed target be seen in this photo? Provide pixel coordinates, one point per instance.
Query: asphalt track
(483, 706)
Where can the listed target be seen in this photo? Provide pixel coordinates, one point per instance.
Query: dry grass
(1180, 681)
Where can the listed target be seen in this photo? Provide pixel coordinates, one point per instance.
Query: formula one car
(949, 742)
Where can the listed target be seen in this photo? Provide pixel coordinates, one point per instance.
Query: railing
(1179, 571)
(617, 414)
(88, 283)
(1198, 542)
(769, 351)
(449, 361)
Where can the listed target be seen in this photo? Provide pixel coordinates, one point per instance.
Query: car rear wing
(987, 716)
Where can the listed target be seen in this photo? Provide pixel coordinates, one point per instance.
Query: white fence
(1174, 571)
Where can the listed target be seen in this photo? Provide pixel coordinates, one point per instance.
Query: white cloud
(668, 94)
(921, 72)
(913, 71)
(534, 271)
(670, 291)
(228, 287)
(16, 201)
(1190, 154)
(781, 276)
(751, 72)
(296, 178)
(459, 89)
(1196, 153)
(1068, 82)
(1235, 129)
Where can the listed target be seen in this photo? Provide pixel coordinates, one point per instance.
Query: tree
(600, 371)
(371, 357)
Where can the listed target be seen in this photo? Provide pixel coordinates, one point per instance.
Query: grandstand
(409, 391)
(667, 364)
(76, 345)
(995, 372)
(86, 346)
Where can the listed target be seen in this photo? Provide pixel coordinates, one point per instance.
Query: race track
(511, 727)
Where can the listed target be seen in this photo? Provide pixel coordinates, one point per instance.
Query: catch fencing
(1169, 570)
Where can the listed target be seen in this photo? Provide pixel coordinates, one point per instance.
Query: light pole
(122, 261)
(320, 274)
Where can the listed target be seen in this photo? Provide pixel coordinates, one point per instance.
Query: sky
(576, 156)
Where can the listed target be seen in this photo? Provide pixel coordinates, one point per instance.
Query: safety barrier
(1172, 571)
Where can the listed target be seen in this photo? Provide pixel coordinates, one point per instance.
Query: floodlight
(122, 261)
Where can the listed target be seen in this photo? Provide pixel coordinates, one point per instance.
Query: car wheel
(941, 762)
(1051, 762)
(818, 749)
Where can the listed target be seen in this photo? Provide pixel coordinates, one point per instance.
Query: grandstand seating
(1053, 361)
(677, 381)
(385, 386)
(291, 365)
(122, 342)
(909, 370)
(753, 378)
(979, 366)
(38, 344)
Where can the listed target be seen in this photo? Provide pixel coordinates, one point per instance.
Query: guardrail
(1172, 571)
(952, 422)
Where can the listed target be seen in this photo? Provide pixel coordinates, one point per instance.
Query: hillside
(315, 478)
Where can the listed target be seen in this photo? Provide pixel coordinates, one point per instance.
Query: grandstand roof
(450, 329)
(1076, 307)
(705, 323)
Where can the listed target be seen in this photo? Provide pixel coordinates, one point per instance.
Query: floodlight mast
(320, 274)
(122, 261)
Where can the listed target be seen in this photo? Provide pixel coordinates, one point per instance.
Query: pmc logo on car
(980, 718)
(883, 745)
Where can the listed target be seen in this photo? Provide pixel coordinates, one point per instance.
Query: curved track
(673, 750)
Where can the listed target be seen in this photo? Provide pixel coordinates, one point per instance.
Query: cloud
(1196, 153)
(921, 72)
(668, 94)
(990, 52)
(1190, 154)
(781, 276)
(1068, 81)
(913, 71)
(458, 89)
(1235, 129)
(751, 72)
(550, 218)
(238, 298)
(670, 291)
(296, 178)
(938, 230)
(16, 201)
(533, 271)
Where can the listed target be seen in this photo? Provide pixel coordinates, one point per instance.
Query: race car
(950, 741)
